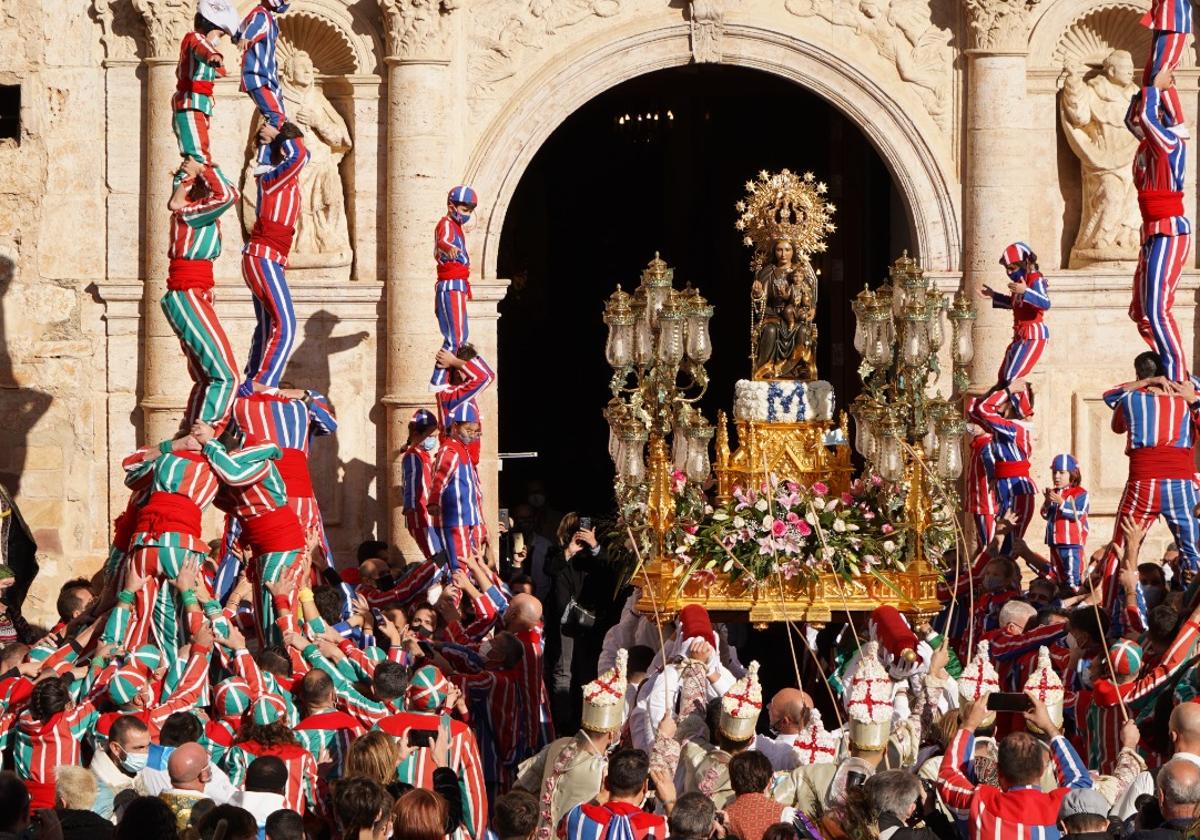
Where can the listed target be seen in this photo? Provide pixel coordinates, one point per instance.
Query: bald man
(1178, 793)
(1184, 731)
(524, 613)
(788, 714)
(189, 769)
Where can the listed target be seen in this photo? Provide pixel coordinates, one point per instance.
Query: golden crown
(788, 206)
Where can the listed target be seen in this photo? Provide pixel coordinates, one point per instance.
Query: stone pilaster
(995, 183)
(164, 370)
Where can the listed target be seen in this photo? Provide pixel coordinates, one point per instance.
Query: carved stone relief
(167, 21)
(417, 29)
(120, 26)
(708, 25)
(999, 25)
(903, 33)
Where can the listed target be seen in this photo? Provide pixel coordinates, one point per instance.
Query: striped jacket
(198, 62)
(1012, 441)
(196, 229)
(1169, 16)
(328, 735)
(1161, 159)
(980, 498)
(449, 234)
(452, 402)
(455, 486)
(268, 493)
(278, 201)
(286, 422)
(416, 469)
(1027, 307)
(611, 821)
(1067, 524)
(1152, 418)
(1022, 813)
(258, 34)
(301, 790)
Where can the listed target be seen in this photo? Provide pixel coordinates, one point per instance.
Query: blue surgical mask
(1018, 275)
(461, 218)
(430, 443)
(133, 762)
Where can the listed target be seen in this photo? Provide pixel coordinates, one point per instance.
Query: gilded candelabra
(658, 342)
(902, 430)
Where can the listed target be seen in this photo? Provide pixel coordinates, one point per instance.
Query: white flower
(810, 518)
(818, 503)
(839, 525)
(851, 527)
(761, 505)
(720, 516)
(828, 552)
(728, 565)
(739, 522)
(831, 504)
(889, 547)
(767, 522)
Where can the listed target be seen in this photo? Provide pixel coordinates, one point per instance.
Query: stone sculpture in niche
(1092, 108)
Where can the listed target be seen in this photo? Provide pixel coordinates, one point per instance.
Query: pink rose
(820, 488)
(847, 498)
(803, 529)
(887, 529)
(778, 528)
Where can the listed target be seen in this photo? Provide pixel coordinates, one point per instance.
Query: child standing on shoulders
(200, 65)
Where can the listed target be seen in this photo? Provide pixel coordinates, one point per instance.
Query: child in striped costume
(455, 495)
(200, 64)
(453, 288)
(1159, 175)
(470, 376)
(981, 499)
(1004, 413)
(202, 194)
(1170, 22)
(416, 467)
(1028, 299)
(1066, 513)
(265, 257)
(259, 34)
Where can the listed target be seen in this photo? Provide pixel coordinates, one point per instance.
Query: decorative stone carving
(501, 32)
(903, 33)
(167, 21)
(1092, 108)
(708, 25)
(417, 29)
(999, 25)
(322, 236)
(119, 27)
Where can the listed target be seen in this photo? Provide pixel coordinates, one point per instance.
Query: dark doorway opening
(656, 165)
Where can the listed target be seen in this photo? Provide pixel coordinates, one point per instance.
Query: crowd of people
(254, 687)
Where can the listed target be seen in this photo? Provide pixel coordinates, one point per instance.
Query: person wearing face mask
(1066, 513)
(620, 815)
(116, 765)
(200, 64)
(416, 467)
(470, 375)
(1028, 299)
(453, 288)
(455, 496)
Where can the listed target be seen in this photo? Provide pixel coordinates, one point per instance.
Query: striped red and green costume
(200, 65)
(301, 790)
(327, 735)
(188, 303)
(167, 533)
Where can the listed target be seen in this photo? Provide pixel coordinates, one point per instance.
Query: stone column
(417, 179)
(995, 188)
(164, 370)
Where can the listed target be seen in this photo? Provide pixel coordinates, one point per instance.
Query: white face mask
(430, 443)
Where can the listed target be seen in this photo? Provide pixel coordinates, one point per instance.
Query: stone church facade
(998, 119)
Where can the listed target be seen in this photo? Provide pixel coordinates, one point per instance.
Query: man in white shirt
(266, 780)
(788, 714)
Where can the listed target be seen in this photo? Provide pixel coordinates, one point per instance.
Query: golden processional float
(780, 528)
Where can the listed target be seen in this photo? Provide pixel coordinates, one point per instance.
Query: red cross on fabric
(869, 701)
(610, 688)
(1044, 685)
(740, 701)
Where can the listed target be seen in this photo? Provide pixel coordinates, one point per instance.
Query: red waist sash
(189, 274)
(1161, 462)
(272, 234)
(169, 513)
(275, 530)
(1157, 205)
(453, 271)
(194, 86)
(293, 467)
(1012, 469)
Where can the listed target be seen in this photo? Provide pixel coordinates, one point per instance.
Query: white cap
(222, 13)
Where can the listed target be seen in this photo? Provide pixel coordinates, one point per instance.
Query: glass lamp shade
(679, 448)
(619, 348)
(879, 352)
(951, 431)
(937, 334)
(670, 336)
(699, 344)
(643, 342)
(897, 298)
(698, 466)
(860, 335)
(929, 443)
(910, 343)
(656, 298)
(632, 467)
(890, 459)
(964, 345)
(864, 435)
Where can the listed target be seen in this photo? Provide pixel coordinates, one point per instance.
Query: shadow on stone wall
(21, 407)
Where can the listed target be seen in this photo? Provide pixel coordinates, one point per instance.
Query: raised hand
(234, 640)
(134, 582)
(202, 432)
(185, 581)
(294, 640)
(203, 637)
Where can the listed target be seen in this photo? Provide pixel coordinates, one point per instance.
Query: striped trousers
(210, 357)
(157, 606)
(450, 306)
(1068, 564)
(269, 102)
(1174, 499)
(1166, 51)
(459, 541)
(985, 529)
(272, 567)
(1020, 358)
(423, 533)
(275, 317)
(1021, 503)
(191, 130)
(1160, 264)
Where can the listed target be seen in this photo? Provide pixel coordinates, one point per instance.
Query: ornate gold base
(794, 451)
(913, 592)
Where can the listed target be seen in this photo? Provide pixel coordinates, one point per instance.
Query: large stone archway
(550, 96)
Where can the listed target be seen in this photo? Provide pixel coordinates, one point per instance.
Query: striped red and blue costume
(1019, 813)
(417, 769)
(1160, 429)
(453, 288)
(1105, 715)
(1066, 534)
(455, 491)
(291, 424)
(263, 261)
(167, 533)
(1170, 22)
(200, 65)
(416, 468)
(1030, 332)
(611, 821)
(1159, 174)
(457, 403)
(259, 34)
(981, 500)
(1012, 443)
(188, 303)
